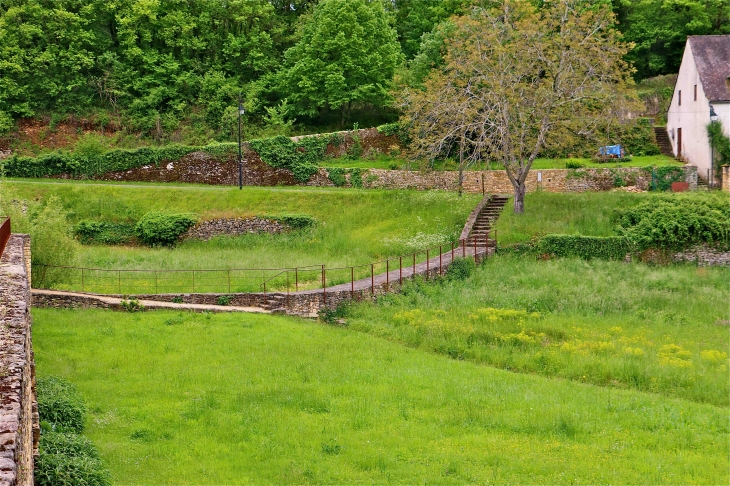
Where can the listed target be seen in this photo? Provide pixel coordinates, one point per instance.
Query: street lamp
(241, 111)
(711, 178)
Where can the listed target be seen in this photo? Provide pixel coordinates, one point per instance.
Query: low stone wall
(497, 182)
(206, 230)
(703, 255)
(19, 426)
(726, 177)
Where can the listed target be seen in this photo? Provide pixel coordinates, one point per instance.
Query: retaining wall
(19, 425)
(206, 230)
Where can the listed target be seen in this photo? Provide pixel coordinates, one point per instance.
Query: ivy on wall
(720, 143)
(300, 157)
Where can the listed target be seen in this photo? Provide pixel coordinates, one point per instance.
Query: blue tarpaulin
(611, 150)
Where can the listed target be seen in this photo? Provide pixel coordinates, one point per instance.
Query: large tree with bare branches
(517, 79)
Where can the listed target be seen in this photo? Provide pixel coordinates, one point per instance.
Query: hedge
(587, 247)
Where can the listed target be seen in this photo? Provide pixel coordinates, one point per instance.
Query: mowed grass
(178, 398)
(657, 329)
(353, 226)
(587, 213)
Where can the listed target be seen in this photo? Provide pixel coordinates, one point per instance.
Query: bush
(676, 222)
(587, 247)
(68, 459)
(60, 404)
(460, 269)
(573, 164)
(300, 157)
(294, 221)
(160, 228)
(337, 176)
(104, 232)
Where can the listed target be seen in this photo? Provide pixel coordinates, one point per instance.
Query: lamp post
(713, 118)
(241, 111)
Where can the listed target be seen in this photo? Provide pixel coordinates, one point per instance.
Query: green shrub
(663, 177)
(294, 221)
(69, 460)
(160, 228)
(223, 300)
(356, 178)
(104, 232)
(60, 404)
(587, 247)
(301, 157)
(460, 269)
(676, 222)
(337, 176)
(573, 164)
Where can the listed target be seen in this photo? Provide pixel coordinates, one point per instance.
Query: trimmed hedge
(587, 247)
(112, 161)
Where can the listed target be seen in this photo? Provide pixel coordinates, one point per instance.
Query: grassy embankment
(353, 227)
(240, 399)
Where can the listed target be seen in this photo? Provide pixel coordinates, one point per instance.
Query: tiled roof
(712, 57)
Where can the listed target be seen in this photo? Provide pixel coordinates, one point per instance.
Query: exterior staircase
(662, 140)
(482, 228)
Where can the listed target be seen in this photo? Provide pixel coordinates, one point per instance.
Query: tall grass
(353, 226)
(179, 398)
(657, 329)
(587, 213)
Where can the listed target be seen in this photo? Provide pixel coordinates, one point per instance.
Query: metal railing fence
(389, 271)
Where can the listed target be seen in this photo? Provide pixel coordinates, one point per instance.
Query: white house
(703, 84)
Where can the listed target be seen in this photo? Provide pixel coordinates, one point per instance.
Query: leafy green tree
(347, 54)
(517, 79)
(659, 28)
(415, 18)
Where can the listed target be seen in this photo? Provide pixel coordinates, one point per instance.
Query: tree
(346, 55)
(517, 79)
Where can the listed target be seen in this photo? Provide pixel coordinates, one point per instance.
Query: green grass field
(587, 213)
(354, 227)
(250, 399)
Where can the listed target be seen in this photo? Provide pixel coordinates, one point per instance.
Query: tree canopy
(516, 79)
(347, 53)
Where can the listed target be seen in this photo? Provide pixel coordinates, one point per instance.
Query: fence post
(193, 281)
(352, 282)
(372, 279)
(296, 279)
(82, 279)
(155, 281)
(463, 248)
(119, 281)
(441, 261)
(427, 269)
(324, 288)
(387, 274)
(475, 248)
(400, 271)
(229, 280)
(452, 251)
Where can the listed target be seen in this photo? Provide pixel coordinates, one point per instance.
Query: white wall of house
(692, 116)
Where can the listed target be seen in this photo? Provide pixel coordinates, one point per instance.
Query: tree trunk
(461, 165)
(520, 190)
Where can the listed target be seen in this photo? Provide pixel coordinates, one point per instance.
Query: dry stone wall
(19, 426)
(206, 230)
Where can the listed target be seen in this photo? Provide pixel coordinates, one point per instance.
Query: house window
(680, 98)
(695, 92)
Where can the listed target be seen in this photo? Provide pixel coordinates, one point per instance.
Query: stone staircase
(662, 140)
(276, 303)
(482, 228)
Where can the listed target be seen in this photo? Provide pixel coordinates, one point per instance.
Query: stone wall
(703, 255)
(206, 230)
(726, 177)
(19, 426)
(497, 182)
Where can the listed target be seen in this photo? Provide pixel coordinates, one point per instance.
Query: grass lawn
(588, 213)
(353, 227)
(387, 162)
(656, 329)
(178, 398)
